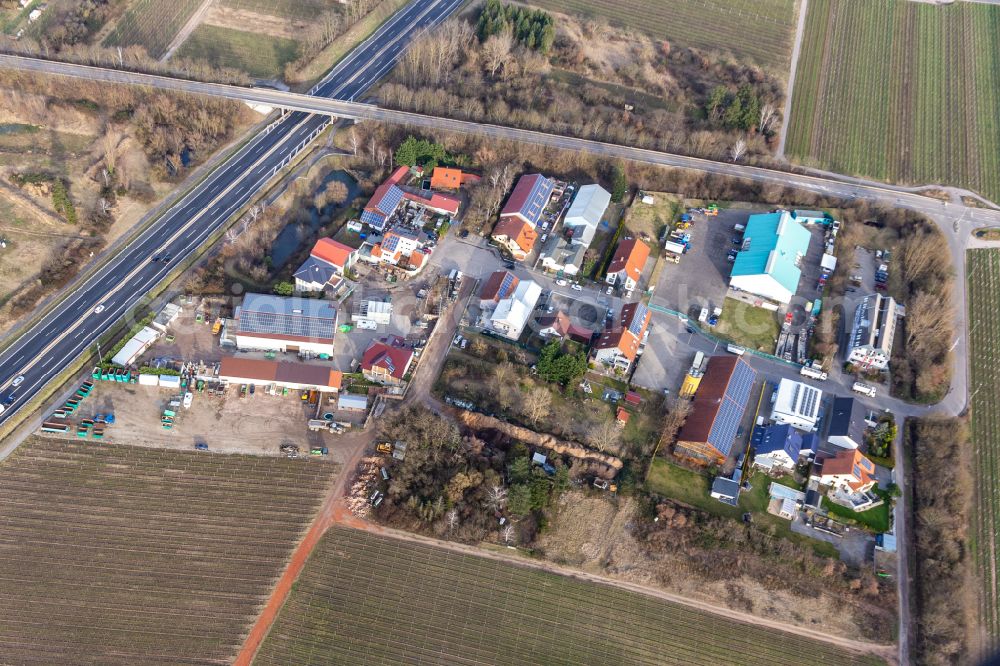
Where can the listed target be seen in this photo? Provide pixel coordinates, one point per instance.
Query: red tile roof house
(559, 325)
(387, 197)
(626, 267)
(498, 286)
(386, 361)
(516, 235)
(618, 346)
(325, 266)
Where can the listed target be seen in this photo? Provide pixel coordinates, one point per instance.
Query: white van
(703, 315)
(739, 227)
(367, 324)
(864, 389)
(735, 349)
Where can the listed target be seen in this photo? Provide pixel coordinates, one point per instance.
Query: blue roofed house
(768, 262)
(779, 447)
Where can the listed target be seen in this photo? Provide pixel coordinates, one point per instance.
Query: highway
(45, 349)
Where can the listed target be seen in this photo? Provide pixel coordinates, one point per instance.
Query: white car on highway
(99, 309)
(17, 380)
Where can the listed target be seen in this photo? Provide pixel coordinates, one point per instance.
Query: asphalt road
(43, 350)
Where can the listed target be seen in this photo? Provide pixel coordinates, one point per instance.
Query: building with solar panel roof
(276, 323)
(797, 404)
(717, 410)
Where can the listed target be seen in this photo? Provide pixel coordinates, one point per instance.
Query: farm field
(119, 555)
(258, 55)
(152, 24)
(900, 91)
(984, 319)
(369, 598)
(292, 9)
(761, 30)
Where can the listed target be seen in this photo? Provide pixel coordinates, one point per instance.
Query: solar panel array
(533, 206)
(810, 400)
(734, 402)
(390, 200)
(280, 323)
(635, 326)
(504, 290)
(373, 218)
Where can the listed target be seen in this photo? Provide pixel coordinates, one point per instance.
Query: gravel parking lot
(701, 279)
(257, 424)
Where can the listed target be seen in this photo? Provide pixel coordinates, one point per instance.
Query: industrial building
(283, 374)
(797, 405)
(378, 312)
(275, 323)
(585, 213)
(870, 342)
(716, 411)
(847, 423)
(618, 347)
(165, 317)
(768, 264)
(136, 346)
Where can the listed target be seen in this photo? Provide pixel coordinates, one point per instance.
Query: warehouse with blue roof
(768, 263)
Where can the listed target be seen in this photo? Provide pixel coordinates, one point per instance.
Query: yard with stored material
(370, 598)
(758, 30)
(900, 91)
(984, 322)
(119, 555)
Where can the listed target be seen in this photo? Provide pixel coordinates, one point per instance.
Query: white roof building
(512, 313)
(584, 214)
(135, 347)
(873, 332)
(797, 405)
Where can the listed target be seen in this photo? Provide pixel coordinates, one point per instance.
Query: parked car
(609, 290)
(464, 233)
(201, 446)
(465, 343)
(561, 283)
(576, 287)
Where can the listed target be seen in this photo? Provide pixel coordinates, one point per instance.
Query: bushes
(942, 495)
(555, 365)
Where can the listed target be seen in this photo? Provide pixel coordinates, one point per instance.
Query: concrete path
(189, 27)
(786, 117)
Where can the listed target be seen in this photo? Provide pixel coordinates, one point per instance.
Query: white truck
(367, 324)
(812, 373)
(864, 389)
(674, 248)
(703, 315)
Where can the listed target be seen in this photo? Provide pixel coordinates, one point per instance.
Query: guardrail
(694, 326)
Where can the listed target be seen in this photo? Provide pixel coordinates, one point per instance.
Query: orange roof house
(333, 252)
(845, 469)
(627, 264)
(618, 346)
(446, 178)
(516, 235)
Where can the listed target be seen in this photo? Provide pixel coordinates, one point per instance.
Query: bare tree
(537, 404)
(605, 435)
(767, 117)
(353, 136)
(508, 533)
(921, 255)
(738, 149)
(496, 51)
(451, 519)
(496, 498)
